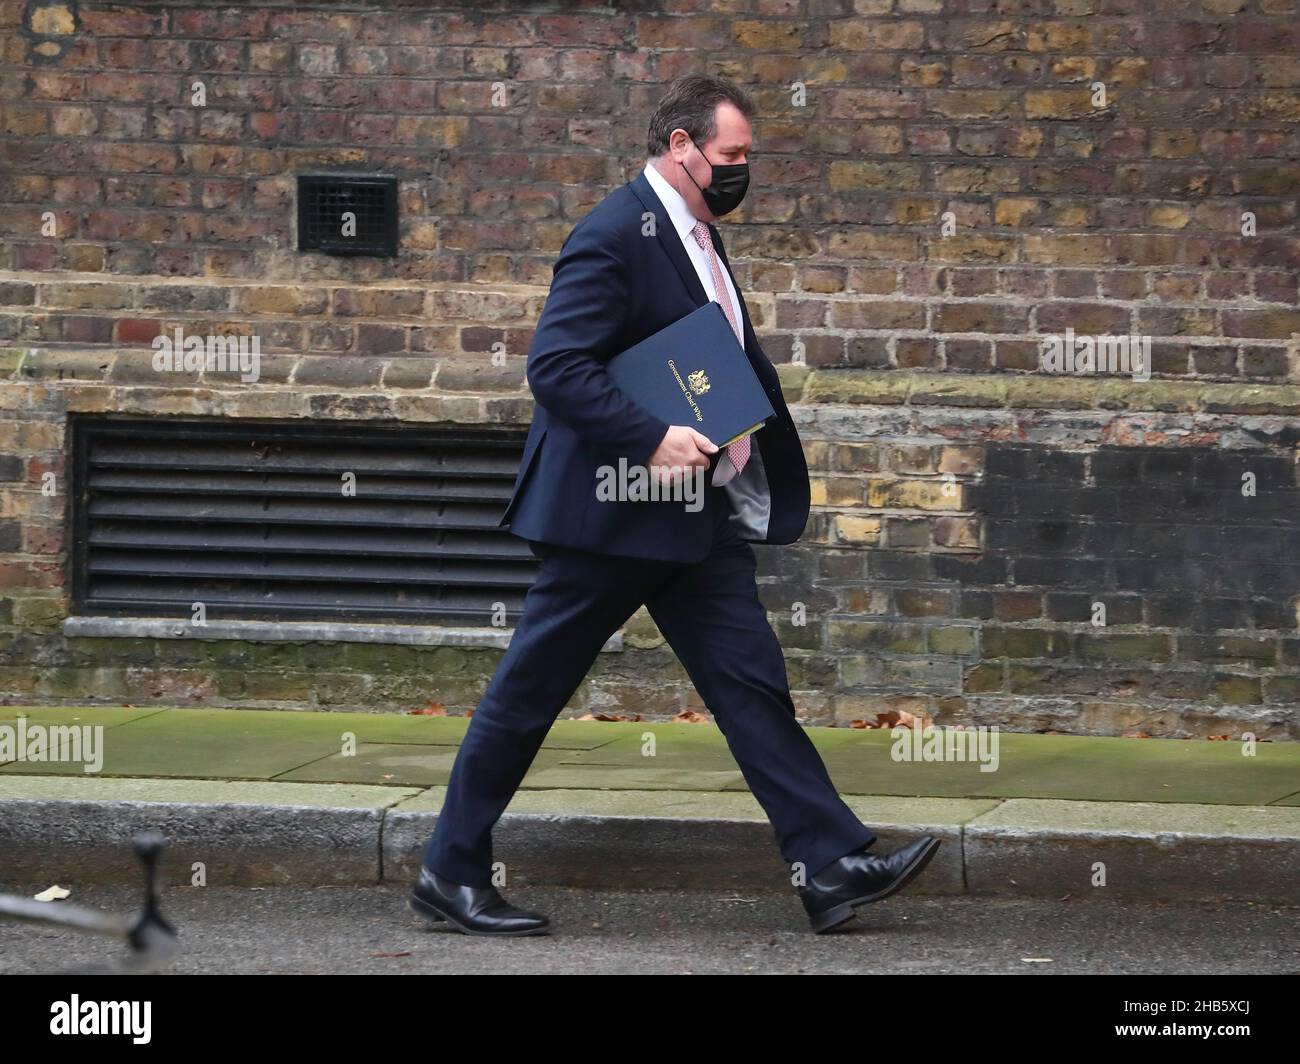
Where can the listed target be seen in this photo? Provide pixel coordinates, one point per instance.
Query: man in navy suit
(644, 257)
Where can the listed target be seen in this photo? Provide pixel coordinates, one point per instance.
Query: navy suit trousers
(711, 616)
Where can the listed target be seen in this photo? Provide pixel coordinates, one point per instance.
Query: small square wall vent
(347, 214)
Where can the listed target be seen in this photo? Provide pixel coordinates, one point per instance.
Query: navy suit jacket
(611, 287)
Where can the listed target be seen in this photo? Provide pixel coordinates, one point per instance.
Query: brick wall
(938, 185)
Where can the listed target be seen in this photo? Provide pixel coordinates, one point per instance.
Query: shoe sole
(844, 911)
(423, 908)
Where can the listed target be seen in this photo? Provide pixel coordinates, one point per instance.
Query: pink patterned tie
(738, 452)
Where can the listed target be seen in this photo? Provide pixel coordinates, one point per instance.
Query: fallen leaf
(608, 716)
(429, 709)
(690, 716)
(895, 718)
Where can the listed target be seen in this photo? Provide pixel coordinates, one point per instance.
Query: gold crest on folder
(698, 381)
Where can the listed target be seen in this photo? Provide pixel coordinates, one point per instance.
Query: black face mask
(726, 187)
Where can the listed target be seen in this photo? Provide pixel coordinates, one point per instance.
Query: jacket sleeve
(576, 335)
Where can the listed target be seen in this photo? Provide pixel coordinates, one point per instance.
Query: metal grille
(324, 201)
(252, 519)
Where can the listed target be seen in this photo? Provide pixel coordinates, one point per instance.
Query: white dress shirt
(750, 498)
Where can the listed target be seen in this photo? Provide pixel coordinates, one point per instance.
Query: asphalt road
(370, 930)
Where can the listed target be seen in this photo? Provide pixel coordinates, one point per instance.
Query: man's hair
(690, 103)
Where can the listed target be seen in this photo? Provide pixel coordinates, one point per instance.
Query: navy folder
(694, 372)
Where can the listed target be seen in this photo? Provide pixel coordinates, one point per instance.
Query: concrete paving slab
(1188, 772)
(865, 764)
(574, 734)
(103, 716)
(635, 778)
(397, 764)
(683, 746)
(368, 727)
(699, 760)
(108, 712)
(246, 744)
(205, 744)
(1087, 768)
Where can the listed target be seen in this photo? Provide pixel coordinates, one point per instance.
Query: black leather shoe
(473, 910)
(859, 877)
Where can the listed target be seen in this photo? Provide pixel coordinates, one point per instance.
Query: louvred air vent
(255, 519)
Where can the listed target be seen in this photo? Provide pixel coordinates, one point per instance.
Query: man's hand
(682, 447)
